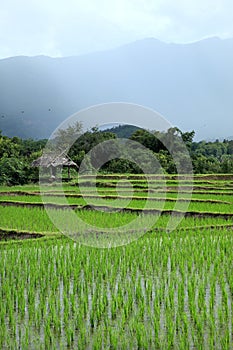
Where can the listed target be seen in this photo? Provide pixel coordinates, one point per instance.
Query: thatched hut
(52, 162)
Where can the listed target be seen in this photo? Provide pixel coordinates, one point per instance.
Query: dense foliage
(207, 157)
(17, 154)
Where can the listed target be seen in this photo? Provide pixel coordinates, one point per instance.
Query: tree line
(16, 154)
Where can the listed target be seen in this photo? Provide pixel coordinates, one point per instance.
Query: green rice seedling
(165, 290)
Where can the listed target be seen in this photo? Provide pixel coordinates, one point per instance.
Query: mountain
(122, 131)
(191, 85)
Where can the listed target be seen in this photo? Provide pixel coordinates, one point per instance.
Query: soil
(13, 235)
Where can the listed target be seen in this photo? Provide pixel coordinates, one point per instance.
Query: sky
(61, 28)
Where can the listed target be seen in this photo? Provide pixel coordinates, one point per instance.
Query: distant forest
(16, 154)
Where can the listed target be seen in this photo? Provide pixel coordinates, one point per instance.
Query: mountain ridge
(189, 84)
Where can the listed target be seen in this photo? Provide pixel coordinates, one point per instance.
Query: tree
(65, 138)
(87, 142)
(149, 139)
(12, 171)
(188, 137)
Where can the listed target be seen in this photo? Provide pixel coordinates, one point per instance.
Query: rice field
(164, 290)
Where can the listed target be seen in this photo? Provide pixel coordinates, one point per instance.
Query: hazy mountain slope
(191, 85)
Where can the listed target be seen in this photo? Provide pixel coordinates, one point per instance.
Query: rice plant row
(160, 292)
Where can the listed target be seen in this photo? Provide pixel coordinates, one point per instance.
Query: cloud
(61, 28)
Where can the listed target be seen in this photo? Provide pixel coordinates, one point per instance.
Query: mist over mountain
(191, 85)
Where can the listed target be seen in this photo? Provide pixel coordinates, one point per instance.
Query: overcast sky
(73, 27)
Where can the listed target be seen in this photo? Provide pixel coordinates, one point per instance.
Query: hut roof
(47, 161)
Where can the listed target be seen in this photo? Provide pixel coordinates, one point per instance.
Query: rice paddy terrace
(168, 289)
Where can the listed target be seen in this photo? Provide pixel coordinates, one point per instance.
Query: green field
(165, 290)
